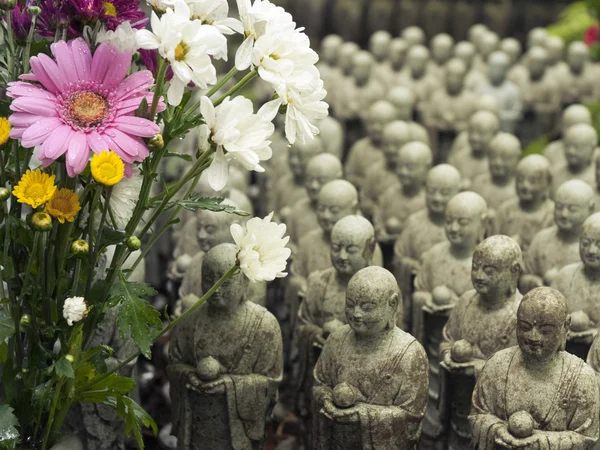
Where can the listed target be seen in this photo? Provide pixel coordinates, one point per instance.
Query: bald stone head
(573, 115)
(465, 51)
(497, 266)
(404, 101)
(337, 199)
(465, 220)
(330, 46)
(534, 179)
(476, 32)
(488, 43)
(215, 264)
(537, 61)
(413, 162)
(417, 60)
(498, 66)
(212, 228)
(443, 183)
(397, 53)
(488, 102)
(456, 70)
(537, 37)
(578, 55)
(513, 48)
(580, 143)
(300, 153)
(413, 36)
(379, 44)
(542, 324)
(556, 48)
(441, 48)
(483, 127)
(320, 170)
(504, 152)
(378, 116)
(363, 63)
(372, 302)
(352, 245)
(395, 135)
(589, 243)
(345, 58)
(573, 203)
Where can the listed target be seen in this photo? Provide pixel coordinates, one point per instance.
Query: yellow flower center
(107, 170)
(4, 130)
(35, 191)
(64, 205)
(181, 50)
(109, 9)
(87, 109)
(35, 188)
(61, 204)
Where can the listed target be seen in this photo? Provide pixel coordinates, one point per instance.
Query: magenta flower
(110, 13)
(21, 21)
(84, 103)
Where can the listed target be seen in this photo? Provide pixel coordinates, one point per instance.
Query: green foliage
(133, 415)
(64, 368)
(112, 386)
(574, 21)
(7, 328)
(210, 204)
(8, 427)
(537, 147)
(136, 315)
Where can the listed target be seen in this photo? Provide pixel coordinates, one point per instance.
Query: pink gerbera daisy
(84, 103)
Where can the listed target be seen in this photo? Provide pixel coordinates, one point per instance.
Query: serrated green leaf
(111, 386)
(7, 328)
(137, 318)
(8, 424)
(64, 368)
(183, 156)
(110, 236)
(133, 415)
(214, 204)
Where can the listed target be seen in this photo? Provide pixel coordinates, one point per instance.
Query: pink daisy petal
(96, 142)
(64, 59)
(28, 77)
(82, 58)
(128, 170)
(127, 143)
(21, 89)
(52, 71)
(135, 83)
(16, 133)
(37, 67)
(57, 143)
(118, 69)
(78, 154)
(23, 119)
(103, 58)
(38, 106)
(137, 126)
(112, 145)
(37, 133)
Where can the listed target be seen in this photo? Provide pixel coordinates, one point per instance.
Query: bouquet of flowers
(92, 94)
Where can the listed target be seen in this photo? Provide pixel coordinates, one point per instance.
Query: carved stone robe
(251, 352)
(379, 178)
(583, 293)
(393, 380)
(301, 220)
(523, 225)
(362, 156)
(567, 412)
(467, 164)
(394, 204)
(493, 194)
(547, 252)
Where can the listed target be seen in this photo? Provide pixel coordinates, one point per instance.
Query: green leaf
(111, 386)
(133, 415)
(537, 147)
(7, 328)
(3, 352)
(110, 236)
(136, 317)
(183, 156)
(8, 424)
(209, 204)
(64, 368)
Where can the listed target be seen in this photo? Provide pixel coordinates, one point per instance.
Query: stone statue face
(480, 135)
(295, 161)
(441, 51)
(231, 292)
(376, 122)
(491, 274)
(212, 229)
(541, 331)
(578, 151)
(397, 55)
(589, 246)
(379, 48)
(536, 66)
(349, 252)
(463, 226)
(318, 176)
(498, 68)
(577, 60)
(532, 185)
(455, 81)
(366, 314)
(503, 161)
(439, 191)
(331, 208)
(411, 168)
(417, 62)
(362, 71)
(571, 209)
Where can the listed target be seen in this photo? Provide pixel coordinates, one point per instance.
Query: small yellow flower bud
(4, 194)
(25, 320)
(34, 10)
(156, 142)
(41, 221)
(133, 243)
(70, 358)
(7, 5)
(80, 247)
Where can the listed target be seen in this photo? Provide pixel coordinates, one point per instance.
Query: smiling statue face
(212, 229)
(320, 170)
(215, 264)
(336, 199)
(497, 263)
(352, 245)
(372, 299)
(413, 163)
(483, 126)
(464, 219)
(573, 204)
(542, 324)
(533, 178)
(443, 183)
(503, 156)
(589, 243)
(580, 143)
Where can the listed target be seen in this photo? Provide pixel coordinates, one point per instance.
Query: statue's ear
(568, 322)
(516, 268)
(394, 301)
(370, 248)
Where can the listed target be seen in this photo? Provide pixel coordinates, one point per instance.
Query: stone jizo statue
(466, 51)
(572, 115)
(536, 395)
(414, 35)
(486, 44)
(404, 101)
(557, 66)
(367, 88)
(579, 83)
(379, 46)
(344, 85)
(537, 37)
(225, 365)
(371, 378)
(418, 79)
(397, 61)
(328, 64)
(441, 52)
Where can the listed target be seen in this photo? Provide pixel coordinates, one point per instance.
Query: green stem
(243, 82)
(92, 242)
(222, 82)
(59, 386)
(160, 81)
(27, 50)
(11, 47)
(186, 314)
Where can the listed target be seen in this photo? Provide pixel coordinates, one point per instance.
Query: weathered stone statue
(323, 310)
(422, 230)
(398, 202)
(414, 35)
(472, 159)
(320, 170)
(486, 45)
(418, 79)
(225, 365)
(536, 395)
(396, 66)
(344, 86)
(404, 101)
(537, 37)
(497, 185)
(482, 322)
(505, 92)
(441, 52)
(328, 64)
(379, 46)
(290, 189)
(580, 142)
(465, 51)
(557, 67)
(579, 84)
(476, 32)
(367, 151)
(449, 109)
(371, 378)
(532, 210)
(555, 247)
(572, 115)
(580, 282)
(331, 133)
(382, 175)
(367, 88)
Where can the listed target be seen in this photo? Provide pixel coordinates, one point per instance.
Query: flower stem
(58, 388)
(186, 314)
(221, 82)
(243, 82)
(160, 81)
(27, 50)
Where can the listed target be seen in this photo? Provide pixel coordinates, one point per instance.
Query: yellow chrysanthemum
(35, 188)
(64, 205)
(4, 130)
(107, 168)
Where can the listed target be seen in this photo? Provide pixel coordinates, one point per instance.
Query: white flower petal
(208, 111)
(243, 56)
(218, 171)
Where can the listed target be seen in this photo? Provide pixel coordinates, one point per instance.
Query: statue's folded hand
(504, 438)
(192, 381)
(214, 387)
(340, 415)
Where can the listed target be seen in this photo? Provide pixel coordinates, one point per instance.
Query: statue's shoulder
(566, 275)
(310, 238)
(339, 335)
(439, 249)
(508, 206)
(321, 277)
(500, 361)
(301, 206)
(578, 365)
(542, 237)
(260, 313)
(417, 220)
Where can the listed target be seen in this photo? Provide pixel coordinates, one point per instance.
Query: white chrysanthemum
(74, 309)
(161, 5)
(236, 130)
(262, 253)
(214, 12)
(123, 38)
(187, 45)
(258, 19)
(124, 197)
